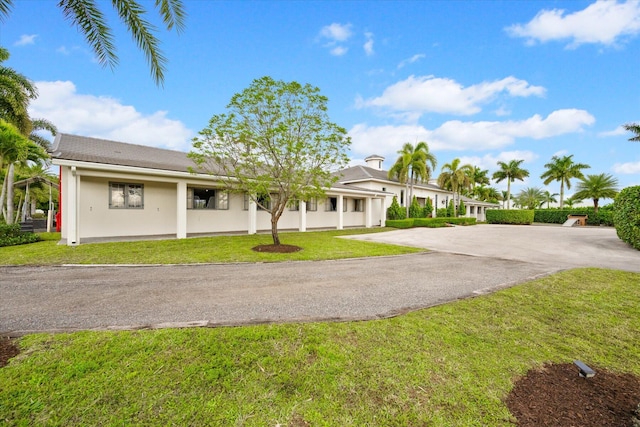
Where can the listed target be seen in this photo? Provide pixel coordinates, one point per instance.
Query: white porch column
(383, 211)
(73, 188)
(340, 213)
(253, 217)
(303, 216)
(181, 210)
(467, 211)
(367, 213)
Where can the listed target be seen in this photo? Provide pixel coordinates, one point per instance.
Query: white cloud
(627, 168)
(441, 95)
(336, 32)
(414, 58)
(603, 22)
(489, 161)
(457, 135)
(105, 117)
(26, 39)
(368, 45)
(339, 51)
(615, 132)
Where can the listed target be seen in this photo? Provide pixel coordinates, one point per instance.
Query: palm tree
(572, 201)
(478, 176)
(549, 198)
(16, 91)
(563, 169)
(530, 197)
(596, 187)
(412, 165)
(510, 171)
(13, 148)
(455, 177)
(91, 22)
(635, 128)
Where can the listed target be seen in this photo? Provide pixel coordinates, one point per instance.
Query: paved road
(114, 297)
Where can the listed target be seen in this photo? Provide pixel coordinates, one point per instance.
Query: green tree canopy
(635, 128)
(90, 20)
(596, 187)
(530, 197)
(275, 140)
(549, 198)
(455, 177)
(563, 169)
(413, 164)
(510, 171)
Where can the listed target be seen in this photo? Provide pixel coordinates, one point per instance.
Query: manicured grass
(321, 245)
(450, 365)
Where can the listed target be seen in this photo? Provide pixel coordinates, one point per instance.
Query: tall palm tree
(510, 171)
(455, 177)
(549, 198)
(563, 169)
(596, 187)
(413, 165)
(635, 128)
(89, 19)
(13, 147)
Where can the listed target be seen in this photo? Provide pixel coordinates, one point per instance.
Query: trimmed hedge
(499, 216)
(559, 216)
(429, 222)
(626, 215)
(10, 235)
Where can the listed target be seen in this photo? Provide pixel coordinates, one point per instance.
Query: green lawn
(320, 245)
(450, 365)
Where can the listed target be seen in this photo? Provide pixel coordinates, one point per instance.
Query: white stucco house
(115, 190)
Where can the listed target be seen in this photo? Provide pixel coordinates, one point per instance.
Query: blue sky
(479, 80)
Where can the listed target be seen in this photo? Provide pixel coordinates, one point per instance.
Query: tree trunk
(3, 194)
(595, 206)
(406, 195)
(508, 194)
(561, 194)
(10, 175)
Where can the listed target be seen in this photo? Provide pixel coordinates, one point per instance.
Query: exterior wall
(96, 219)
(223, 220)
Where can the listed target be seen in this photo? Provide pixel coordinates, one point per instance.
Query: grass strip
(318, 245)
(450, 365)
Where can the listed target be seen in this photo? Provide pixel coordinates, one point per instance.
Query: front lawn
(319, 245)
(450, 365)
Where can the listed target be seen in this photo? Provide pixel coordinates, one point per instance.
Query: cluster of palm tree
(415, 164)
(21, 147)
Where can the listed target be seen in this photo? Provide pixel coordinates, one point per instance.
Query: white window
(358, 205)
(264, 201)
(207, 198)
(294, 205)
(331, 205)
(312, 204)
(126, 196)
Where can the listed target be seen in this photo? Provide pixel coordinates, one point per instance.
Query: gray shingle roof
(363, 173)
(94, 150)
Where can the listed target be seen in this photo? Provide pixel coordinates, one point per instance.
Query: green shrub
(428, 208)
(451, 210)
(442, 222)
(462, 209)
(10, 235)
(498, 216)
(626, 215)
(415, 210)
(442, 213)
(400, 223)
(395, 211)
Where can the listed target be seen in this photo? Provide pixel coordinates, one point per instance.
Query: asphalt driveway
(465, 261)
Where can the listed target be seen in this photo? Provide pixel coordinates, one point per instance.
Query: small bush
(10, 235)
(451, 210)
(520, 217)
(442, 213)
(442, 222)
(428, 208)
(462, 209)
(415, 210)
(626, 215)
(395, 211)
(400, 223)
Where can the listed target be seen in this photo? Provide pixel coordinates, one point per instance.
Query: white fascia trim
(384, 181)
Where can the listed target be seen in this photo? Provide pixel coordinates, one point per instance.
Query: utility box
(582, 218)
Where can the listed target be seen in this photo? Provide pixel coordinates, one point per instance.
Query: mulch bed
(556, 395)
(7, 350)
(277, 249)
(552, 396)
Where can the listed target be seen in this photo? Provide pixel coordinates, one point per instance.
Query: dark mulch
(7, 350)
(556, 395)
(277, 249)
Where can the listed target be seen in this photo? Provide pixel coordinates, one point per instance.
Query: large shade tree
(596, 187)
(510, 171)
(563, 169)
(276, 144)
(413, 164)
(90, 20)
(455, 177)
